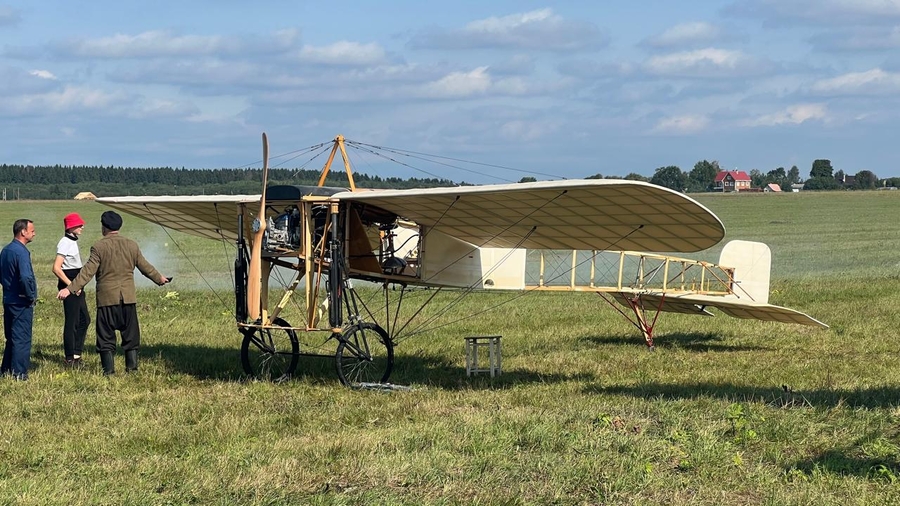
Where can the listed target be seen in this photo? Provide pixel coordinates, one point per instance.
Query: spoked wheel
(365, 355)
(270, 354)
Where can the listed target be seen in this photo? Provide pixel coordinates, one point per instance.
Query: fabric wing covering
(695, 304)
(575, 214)
(210, 216)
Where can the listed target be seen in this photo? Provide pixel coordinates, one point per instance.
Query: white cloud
(18, 81)
(149, 44)
(793, 115)
(158, 43)
(507, 24)
(535, 30)
(708, 62)
(681, 125)
(871, 82)
(459, 84)
(162, 108)
(43, 74)
(686, 34)
(344, 53)
(69, 99)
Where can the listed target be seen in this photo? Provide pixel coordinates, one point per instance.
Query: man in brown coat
(113, 259)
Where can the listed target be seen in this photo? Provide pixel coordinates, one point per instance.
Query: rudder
(752, 263)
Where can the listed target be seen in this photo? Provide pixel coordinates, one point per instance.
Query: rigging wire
(410, 153)
(224, 247)
(358, 146)
(376, 153)
(469, 289)
(213, 290)
(298, 152)
(321, 151)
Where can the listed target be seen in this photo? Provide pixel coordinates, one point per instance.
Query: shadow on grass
(438, 372)
(842, 462)
(201, 362)
(224, 364)
(856, 459)
(692, 341)
(870, 398)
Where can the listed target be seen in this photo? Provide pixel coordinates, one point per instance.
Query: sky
(560, 89)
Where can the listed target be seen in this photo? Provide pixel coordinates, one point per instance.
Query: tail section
(752, 263)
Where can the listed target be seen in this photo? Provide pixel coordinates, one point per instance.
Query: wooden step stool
(491, 344)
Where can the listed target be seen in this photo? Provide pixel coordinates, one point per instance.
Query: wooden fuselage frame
(312, 258)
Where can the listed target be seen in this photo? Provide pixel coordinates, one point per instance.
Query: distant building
(845, 180)
(772, 187)
(85, 196)
(796, 187)
(732, 181)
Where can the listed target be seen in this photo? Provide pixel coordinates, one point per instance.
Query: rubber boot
(131, 361)
(107, 360)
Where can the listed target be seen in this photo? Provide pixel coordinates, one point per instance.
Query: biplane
(455, 238)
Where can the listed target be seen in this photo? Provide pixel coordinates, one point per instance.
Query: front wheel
(365, 355)
(270, 354)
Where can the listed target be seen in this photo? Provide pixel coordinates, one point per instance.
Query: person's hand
(63, 294)
(78, 293)
(164, 280)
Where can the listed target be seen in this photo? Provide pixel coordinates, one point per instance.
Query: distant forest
(59, 182)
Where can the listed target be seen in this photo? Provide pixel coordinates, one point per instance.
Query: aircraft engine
(283, 231)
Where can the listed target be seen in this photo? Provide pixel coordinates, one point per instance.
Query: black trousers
(76, 325)
(122, 317)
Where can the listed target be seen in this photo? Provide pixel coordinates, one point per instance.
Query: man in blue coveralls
(19, 298)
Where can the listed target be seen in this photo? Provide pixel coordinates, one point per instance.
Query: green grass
(583, 413)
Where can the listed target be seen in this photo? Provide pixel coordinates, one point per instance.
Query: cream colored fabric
(591, 214)
(732, 307)
(210, 216)
(577, 214)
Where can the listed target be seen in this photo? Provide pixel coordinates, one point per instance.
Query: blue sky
(564, 88)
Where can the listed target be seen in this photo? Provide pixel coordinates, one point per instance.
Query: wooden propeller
(254, 279)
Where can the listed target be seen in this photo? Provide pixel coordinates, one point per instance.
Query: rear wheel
(270, 354)
(365, 355)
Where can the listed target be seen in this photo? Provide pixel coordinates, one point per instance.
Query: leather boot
(107, 360)
(131, 361)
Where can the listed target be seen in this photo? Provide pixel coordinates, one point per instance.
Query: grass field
(583, 413)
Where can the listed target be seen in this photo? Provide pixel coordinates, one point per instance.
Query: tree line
(64, 182)
(822, 177)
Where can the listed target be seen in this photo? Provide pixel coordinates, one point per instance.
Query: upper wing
(732, 307)
(595, 214)
(210, 216)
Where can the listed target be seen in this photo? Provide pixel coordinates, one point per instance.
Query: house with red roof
(732, 181)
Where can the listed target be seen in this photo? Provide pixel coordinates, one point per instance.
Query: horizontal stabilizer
(731, 307)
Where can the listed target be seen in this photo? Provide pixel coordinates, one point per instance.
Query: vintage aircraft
(468, 238)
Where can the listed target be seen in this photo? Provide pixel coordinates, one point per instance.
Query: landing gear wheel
(365, 355)
(270, 354)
